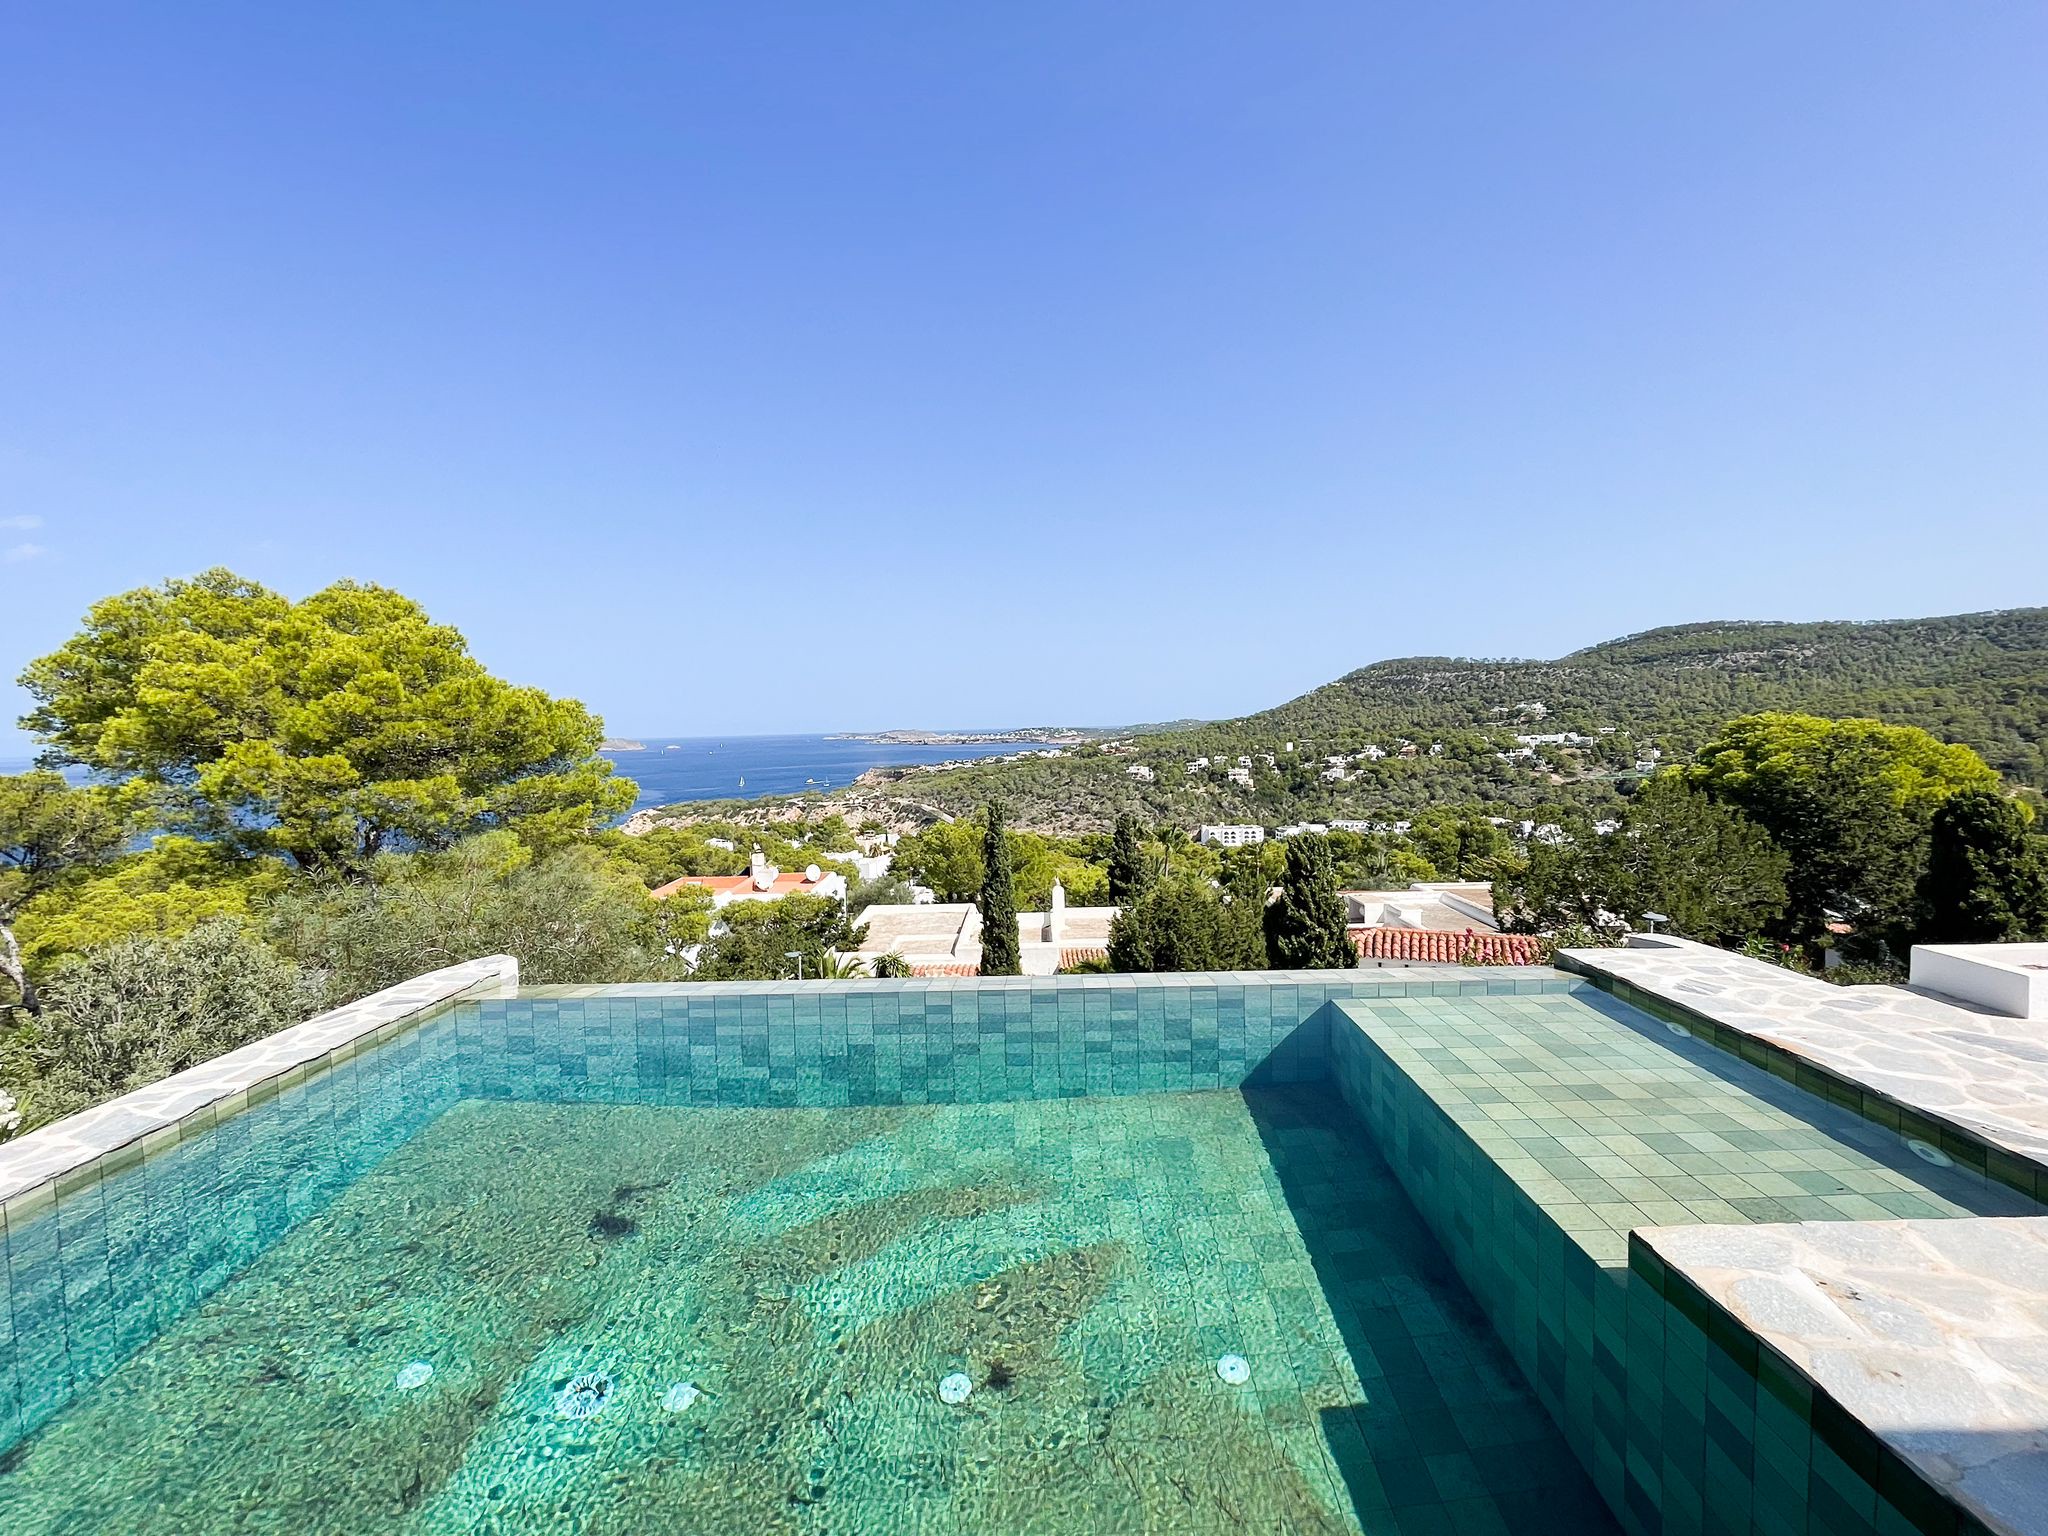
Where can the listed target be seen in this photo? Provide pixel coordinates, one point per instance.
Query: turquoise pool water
(761, 1307)
(1176, 1254)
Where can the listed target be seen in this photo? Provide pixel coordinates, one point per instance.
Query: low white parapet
(2011, 979)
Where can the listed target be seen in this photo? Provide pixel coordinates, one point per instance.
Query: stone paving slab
(31, 1166)
(1983, 1073)
(1932, 1334)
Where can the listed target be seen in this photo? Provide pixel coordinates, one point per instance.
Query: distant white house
(1230, 836)
(1336, 775)
(1373, 752)
(1297, 828)
(1140, 772)
(1241, 776)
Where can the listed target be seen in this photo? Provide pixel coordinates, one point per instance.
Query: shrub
(141, 1008)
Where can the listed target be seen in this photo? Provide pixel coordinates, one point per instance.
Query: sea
(673, 768)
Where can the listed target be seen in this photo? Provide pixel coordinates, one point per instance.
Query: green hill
(1980, 678)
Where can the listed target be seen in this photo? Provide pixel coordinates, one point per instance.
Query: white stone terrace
(1932, 1334)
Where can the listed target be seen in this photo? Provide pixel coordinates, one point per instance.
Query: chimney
(761, 870)
(1056, 914)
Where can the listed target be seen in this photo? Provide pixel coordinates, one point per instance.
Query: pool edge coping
(36, 1169)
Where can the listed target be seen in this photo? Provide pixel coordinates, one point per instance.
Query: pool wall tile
(1683, 1419)
(141, 1236)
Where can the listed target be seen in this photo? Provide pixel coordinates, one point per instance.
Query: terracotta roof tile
(1433, 946)
(1073, 957)
(945, 970)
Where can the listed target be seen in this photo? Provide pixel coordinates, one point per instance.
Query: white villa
(944, 938)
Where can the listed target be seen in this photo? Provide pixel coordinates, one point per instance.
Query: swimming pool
(1122, 1254)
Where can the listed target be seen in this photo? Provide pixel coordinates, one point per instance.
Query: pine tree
(1986, 880)
(1305, 925)
(999, 955)
(1179, 924)
(1129, 870)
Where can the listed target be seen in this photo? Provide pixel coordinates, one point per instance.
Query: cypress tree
(999, 955)
(1986, 880)
(1305, 924)
(1129, 870)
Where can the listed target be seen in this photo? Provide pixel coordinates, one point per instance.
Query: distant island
(618, 744)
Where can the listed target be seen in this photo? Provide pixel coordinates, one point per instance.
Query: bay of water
(673, 768)
(676, 768)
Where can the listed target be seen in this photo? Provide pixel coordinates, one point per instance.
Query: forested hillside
(1977, 678)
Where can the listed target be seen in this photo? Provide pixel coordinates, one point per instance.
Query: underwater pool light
(1234, 1369)
(954, 1388)
(415, 1373)
(1928, 1152)
(585, 1396)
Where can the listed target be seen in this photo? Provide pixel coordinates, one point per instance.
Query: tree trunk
(12, 968)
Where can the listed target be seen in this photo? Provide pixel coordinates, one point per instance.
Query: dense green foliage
(999, 937)
(327, 730)
(1986, 880)
(1305, 922)
(569, 915)
(1707, 871)
(947, 858)
(1176, 924)
(1977, 679)
(760, 936)
(139, 1009)
(1849, 804)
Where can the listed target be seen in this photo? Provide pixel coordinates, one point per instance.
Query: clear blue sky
(767, 367)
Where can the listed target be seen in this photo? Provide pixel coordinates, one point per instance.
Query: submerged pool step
(1534, 1133)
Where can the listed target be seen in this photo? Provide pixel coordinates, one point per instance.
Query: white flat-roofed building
(944, 938)
(1230, 836)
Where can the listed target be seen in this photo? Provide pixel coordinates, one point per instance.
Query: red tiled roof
(1073, 957)
(787, 884)
(1436, 947)
(945, 970)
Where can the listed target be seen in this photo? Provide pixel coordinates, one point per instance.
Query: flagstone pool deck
(1931, 1336)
